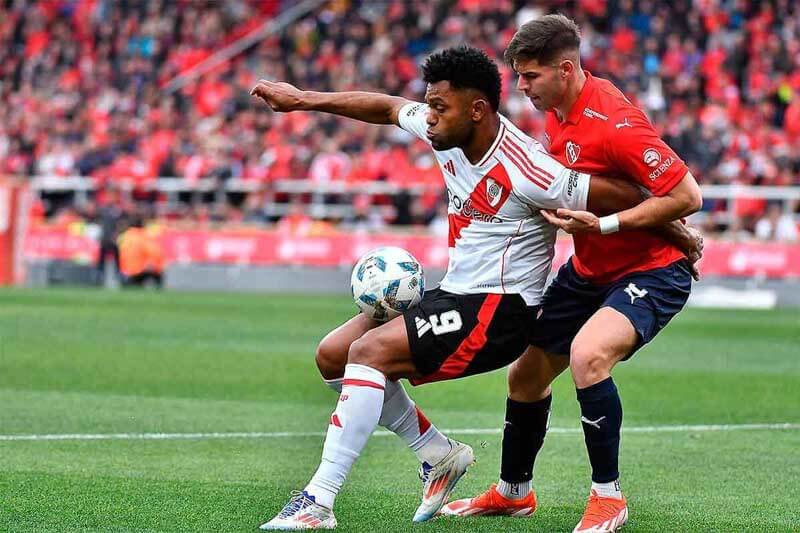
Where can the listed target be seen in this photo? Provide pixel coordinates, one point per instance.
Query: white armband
(609, 224)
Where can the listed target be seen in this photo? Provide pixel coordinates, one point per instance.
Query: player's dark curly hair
(465, 67)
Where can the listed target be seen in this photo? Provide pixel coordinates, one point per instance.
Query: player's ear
(566, 68)
(480, 108)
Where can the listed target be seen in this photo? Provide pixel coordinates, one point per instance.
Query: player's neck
(483, 139)
(573, 92)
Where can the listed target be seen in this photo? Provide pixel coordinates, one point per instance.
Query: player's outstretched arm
(374, 108)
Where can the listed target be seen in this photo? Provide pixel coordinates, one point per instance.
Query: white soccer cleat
(302, 512)
(439, 480)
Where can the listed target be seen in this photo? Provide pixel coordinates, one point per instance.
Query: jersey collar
(579, 106)
(500, 132)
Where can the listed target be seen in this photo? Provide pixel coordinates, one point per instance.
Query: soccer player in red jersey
(614, 295)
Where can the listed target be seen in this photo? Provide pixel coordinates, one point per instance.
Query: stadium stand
(84, 110)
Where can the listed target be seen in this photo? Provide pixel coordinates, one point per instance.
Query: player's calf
(328, 362)
(530, 376)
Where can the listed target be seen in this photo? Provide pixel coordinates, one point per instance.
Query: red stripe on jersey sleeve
(520, 152)
(536, 179)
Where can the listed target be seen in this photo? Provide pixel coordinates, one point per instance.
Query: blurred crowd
(84, 91)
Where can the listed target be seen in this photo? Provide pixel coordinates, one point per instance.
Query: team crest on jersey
(494, 191)
(651, 157)
(573, 152)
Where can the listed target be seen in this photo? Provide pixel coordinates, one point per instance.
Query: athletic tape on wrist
(609, 224)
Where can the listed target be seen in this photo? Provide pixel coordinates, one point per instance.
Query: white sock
(514, 491)
(608, 490)
(352, 423)
(401, 416)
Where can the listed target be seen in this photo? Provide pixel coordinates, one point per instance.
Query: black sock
(523, 436)
(601, 417)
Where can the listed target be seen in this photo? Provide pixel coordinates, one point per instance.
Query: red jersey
(605, 135)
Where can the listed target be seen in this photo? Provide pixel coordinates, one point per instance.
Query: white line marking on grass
(383, 433)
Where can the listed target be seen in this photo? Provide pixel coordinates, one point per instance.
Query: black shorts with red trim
(454, 335)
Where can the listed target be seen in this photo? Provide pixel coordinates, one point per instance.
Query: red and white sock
(351, 425)
(401, 416)
(404, 418)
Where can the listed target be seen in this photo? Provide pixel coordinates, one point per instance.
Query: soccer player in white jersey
(478, 320)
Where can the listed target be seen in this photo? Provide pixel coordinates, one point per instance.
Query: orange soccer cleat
(603, 515)
(491, 503)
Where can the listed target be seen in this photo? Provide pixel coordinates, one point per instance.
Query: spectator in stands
(777, 225)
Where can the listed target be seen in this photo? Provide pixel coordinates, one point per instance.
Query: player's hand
(694, 250)
(279, 96)
(573, 221)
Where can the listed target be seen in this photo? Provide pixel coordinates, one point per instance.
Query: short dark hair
(465, 67)
(543, 39)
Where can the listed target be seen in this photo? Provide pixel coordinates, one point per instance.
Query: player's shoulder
(615, 107)
(515, 137)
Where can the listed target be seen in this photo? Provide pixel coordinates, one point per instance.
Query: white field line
(383, 433)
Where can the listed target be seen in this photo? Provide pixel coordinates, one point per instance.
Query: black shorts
(648, 299)
(453, 335)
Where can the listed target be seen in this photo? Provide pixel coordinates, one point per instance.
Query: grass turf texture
(75, 361)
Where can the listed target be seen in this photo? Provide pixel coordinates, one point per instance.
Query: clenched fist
(279, 96)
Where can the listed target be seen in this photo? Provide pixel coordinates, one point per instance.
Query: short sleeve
(412, 118)
(545, 182)
(637, 151)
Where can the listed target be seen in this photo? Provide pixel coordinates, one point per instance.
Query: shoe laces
(425, 472)
(297, 502)
(600, 508)
(490, 496)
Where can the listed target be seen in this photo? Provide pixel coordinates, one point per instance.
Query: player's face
(449, 116)
(544, 85)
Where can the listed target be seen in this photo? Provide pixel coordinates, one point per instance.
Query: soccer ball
(386, 281)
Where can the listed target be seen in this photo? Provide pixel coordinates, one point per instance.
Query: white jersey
(498, 241)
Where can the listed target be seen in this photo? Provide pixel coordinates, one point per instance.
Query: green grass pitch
(93, 363)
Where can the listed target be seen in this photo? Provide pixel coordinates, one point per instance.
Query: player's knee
(525, 385)
(329, 360)
(587, 363)
(365, 351)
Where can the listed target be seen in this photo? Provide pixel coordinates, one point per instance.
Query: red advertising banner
(263, 247)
